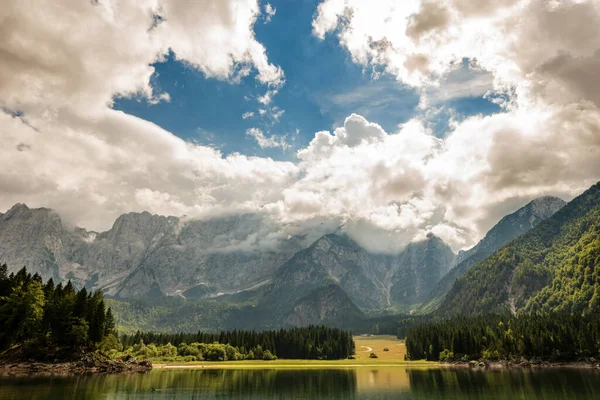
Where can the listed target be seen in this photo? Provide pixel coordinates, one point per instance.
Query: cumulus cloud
(65, 148)
(402, 185)
(93, 170)
(523, 43)
(85, 57)
(538, 58)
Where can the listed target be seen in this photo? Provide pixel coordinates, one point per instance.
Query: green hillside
(553, 267)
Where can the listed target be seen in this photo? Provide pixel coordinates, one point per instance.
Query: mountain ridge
(552, 267)
(507, 229)
(147, 257)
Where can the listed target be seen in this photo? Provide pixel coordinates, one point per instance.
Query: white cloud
(540, 56)
(406, 184)
(276, 113)
(85, 57)
(162, 97)
(267, 98)
(70, 151)
(93, 170)
(247, 115)
(263, 141)
(522, 43)
(270, 12)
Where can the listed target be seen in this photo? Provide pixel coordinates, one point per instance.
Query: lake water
(369, 383)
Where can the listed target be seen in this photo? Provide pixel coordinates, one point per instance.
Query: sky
(388, 119)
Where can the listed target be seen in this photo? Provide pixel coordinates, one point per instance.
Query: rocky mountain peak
(32, 237)
(541, 208)
(18, 207)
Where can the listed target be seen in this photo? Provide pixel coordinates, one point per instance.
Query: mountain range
(551, 268)
(168, 269)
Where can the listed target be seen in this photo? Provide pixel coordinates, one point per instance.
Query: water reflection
(367, 383)
(504, 384)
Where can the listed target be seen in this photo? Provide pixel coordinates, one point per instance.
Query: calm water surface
(370, 383)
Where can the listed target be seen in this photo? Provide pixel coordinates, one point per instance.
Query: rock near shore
(88, 364)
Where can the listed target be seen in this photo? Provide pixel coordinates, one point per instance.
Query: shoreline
(343, 364)
(524, 364)
(291, 364)
(85, 365)
(94, 365)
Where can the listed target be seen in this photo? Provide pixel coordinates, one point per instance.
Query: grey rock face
(371, 281)
(33, 238)
(145, 256)
(509, 227)
(419, 268)
(327, 305)
(142, 255)
(200, 253)
(107, 258)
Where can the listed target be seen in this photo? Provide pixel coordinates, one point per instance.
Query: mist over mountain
(300, 280)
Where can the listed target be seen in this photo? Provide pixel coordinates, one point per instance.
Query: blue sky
(74, 142)
(323, 86)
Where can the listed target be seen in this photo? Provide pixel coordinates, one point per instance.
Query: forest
(549, 337)
(309, 343)
(47, 322)
(553, 268)
(43, 321)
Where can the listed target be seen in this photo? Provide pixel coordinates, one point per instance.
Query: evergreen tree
(47, 318)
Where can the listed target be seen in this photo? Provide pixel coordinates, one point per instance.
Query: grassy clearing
(364, 347)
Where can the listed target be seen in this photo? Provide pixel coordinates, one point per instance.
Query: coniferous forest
(309, 343)
(549, 337)
(45, 321)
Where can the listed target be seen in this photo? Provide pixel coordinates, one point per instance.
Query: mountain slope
(509, 227)
(328, 305)
(33, 238)
(418, 269)
(142, 255)
(333, 259)
(371, 281)
(553, 267)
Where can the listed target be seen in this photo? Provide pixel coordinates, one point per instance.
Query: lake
(369, 383)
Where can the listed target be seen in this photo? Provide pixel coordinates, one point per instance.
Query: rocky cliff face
(418, 269)
(199, 254)
(149, 256)
(327, 305)
(142, 255)
(371, 281)
(106, 259)
(33, 238)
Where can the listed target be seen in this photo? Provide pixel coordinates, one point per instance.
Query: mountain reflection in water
(369, 383)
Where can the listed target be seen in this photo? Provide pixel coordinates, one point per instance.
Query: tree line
(310, 343)
(44, 320)
(551, 337)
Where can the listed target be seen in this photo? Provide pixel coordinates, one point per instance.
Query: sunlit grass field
(364, 347)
